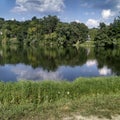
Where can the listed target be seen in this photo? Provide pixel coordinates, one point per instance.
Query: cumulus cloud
(39, 5)
(107, 14)
(109, 8)
(113, 5)
(92, 23)
(77, 21)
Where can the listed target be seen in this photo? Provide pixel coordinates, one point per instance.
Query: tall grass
(50, 91)
(29, 93)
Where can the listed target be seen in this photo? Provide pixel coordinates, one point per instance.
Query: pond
(57, 63)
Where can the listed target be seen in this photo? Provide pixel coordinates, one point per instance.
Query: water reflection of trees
(109, 58)
(49, 58)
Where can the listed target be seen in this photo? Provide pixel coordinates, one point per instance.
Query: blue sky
(90, 12)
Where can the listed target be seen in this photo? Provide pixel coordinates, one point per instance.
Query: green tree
(114, 31)
(70, 33)
(102, 38)
(108, 36)
(48, 30)
(49, 24)
(63, 32)
(92, 33)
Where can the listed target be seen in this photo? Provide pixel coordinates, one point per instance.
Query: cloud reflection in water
(105, 71)
(28, 73)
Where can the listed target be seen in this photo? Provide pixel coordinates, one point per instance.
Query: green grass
(54, 100)
(87, 44)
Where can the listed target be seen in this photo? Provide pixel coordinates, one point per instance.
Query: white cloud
(92, 23)
(19, 8)
(39, 5)
(104, 71)
(107, 14)
(12, 19)
(77, 21)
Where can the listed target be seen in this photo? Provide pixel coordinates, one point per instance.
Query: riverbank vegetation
(55, 100)
(108, 35)
(98, 96)
(49, 30)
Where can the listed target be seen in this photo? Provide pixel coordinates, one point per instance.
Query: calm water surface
(43, 63)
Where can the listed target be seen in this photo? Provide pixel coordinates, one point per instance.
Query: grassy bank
(56, 100)
(88, 44)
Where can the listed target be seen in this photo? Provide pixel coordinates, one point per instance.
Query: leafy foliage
(33, 100)
(108, 36)
(51, 91)
(46, 30)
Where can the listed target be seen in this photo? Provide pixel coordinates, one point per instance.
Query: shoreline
(50, 100)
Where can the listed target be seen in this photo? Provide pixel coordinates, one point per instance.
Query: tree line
(46, 30)
(50, 30)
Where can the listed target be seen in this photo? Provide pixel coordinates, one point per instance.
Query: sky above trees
(90, 12)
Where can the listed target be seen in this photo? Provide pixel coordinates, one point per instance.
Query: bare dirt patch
(79, 117)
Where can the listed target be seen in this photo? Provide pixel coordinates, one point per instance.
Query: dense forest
(108, 35)
(50, 30)
(46, 30)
